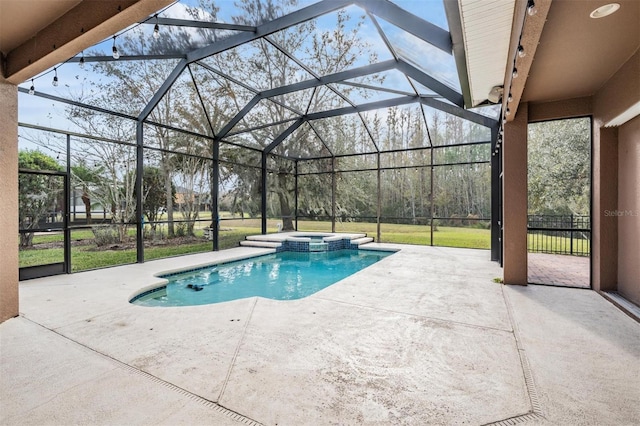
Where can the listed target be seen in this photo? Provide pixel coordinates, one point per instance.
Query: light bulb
(32, 89)
(510, 97)
(508, 111)
(114, 49)
(81, 63)
(521, 52)
(531, 8)
(515, 73)
(156, 31)
(55, 78)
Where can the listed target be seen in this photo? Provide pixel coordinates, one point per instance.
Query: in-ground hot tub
(307, 241)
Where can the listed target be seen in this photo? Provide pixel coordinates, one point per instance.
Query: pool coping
(287, 362)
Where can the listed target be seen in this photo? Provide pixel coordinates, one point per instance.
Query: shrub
(105, 235)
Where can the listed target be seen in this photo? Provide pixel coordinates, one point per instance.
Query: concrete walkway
(423, 337)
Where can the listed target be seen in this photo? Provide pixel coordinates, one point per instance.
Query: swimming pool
(279, 276)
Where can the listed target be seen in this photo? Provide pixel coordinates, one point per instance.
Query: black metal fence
(559, 234)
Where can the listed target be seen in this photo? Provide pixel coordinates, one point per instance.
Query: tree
(559, 167)
(154, 197)
(87, 177)
(263, 65)
(39, 193)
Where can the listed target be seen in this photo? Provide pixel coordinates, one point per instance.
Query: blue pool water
(280, 276)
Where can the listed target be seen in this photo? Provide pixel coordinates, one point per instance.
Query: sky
(73, 79)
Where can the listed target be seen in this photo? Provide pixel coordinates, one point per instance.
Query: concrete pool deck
(422, 337)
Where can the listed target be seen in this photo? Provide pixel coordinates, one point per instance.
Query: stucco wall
(604, 227)
(629, 210)
(514, 203)
(9, 204)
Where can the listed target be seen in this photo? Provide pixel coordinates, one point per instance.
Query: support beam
(514, 208)
(480, 119)
(239, 116)
(452, 10)
(387, 103)
(277, 141)
(215, 183)
(496, 221)
(263, 193)
(77, 104)
(430, 82)
(197, 24)
(331, 78)
(163, 90)
(306, 14)
(86, 24)
(420, 28)
(88, 59)
(139, 190)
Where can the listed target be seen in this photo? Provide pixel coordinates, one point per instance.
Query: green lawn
(410, 234)
(84, 254)
(554, 244)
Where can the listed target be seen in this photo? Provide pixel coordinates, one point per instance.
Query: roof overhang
(35, 35)
(480, 31)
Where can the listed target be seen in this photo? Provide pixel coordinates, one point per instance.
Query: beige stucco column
(514, 203)
(9, 200)
(604, 229)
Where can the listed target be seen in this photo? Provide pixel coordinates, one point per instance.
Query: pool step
(262, 244)
(361, 241)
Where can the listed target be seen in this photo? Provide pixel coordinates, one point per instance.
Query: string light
(515, 72)
(156, 29)
(510, 97)
(82, 62)
(521, 52)
(114, 49)
(531, 8)
(55, 77)
(508, 111)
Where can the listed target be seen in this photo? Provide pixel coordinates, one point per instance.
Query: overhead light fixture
(521, 52)
(605, 10)
(114, 49)
(531, 8)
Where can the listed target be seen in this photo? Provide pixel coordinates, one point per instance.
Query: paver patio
(556, 269)
(423, 337)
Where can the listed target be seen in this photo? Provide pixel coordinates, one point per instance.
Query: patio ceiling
(568, 54)
(407, 61)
